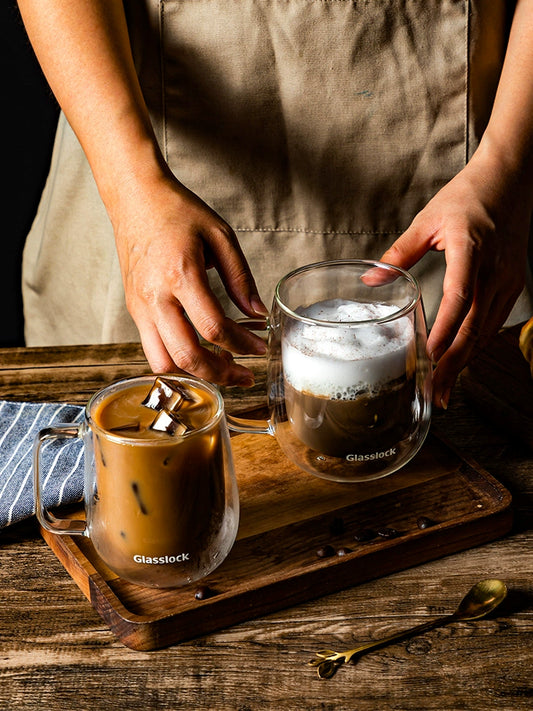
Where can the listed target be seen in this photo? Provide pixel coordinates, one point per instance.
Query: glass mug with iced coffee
(349, 381)
(161, 498)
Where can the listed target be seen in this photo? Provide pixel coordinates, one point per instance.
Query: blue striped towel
(62, 463)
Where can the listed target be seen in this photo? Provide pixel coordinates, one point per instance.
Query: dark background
(30, 123)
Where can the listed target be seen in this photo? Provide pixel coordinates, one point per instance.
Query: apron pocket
(315, 115)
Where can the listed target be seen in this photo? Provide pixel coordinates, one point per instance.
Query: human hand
(480, 219)
(167, 238)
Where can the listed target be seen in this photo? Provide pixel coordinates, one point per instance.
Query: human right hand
(167, 239)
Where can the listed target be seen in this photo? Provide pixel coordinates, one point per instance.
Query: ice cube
(169, 422)
(126, 427)
(165, 394)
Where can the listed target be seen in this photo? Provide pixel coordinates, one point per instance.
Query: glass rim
(124, 382)
(369, 264)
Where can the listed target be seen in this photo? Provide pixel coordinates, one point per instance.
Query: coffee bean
(424, 522)
(364, 534)
(387, 533)
(325, 552)
(202, 593)
(343, 551)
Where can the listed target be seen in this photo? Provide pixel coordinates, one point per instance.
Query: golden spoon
(484, 597)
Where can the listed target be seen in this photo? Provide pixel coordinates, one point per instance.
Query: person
(253, 138)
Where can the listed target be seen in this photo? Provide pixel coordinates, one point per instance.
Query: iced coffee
(157, 508)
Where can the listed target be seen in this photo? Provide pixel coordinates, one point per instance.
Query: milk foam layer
(339, 363)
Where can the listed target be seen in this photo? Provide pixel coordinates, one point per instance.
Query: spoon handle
(328, 662)
(419, 629)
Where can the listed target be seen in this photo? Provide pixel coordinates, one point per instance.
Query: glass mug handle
(47, 520)
(242, 425)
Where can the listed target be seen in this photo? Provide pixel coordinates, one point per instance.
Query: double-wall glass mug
(349, 380)
(161, 498)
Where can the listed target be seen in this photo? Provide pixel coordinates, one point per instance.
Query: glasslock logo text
(162, 559)
(370, 457)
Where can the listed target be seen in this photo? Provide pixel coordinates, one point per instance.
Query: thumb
(409, 247)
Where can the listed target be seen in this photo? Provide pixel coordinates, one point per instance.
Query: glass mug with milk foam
(161, 498)
(349, 381)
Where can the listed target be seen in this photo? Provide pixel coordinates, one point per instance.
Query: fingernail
(242, 377)
(258, 306)
(261, 348)
(435, 355)
(444, 399)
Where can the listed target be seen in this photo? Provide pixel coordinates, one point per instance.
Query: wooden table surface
(56, 652)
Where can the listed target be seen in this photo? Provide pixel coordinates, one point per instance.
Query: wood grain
(499, 384)
(274, 562)
(56, 654)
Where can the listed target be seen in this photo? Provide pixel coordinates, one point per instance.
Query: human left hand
(480, 220)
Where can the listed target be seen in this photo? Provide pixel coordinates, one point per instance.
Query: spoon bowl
(481, 599)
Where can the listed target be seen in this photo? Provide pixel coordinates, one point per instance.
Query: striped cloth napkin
(62, 465)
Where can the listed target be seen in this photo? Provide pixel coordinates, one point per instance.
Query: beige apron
(316, 128)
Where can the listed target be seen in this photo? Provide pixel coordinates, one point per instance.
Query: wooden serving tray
(499, 384)
(286, 517)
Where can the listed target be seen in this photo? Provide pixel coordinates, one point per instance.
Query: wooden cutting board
(286, 517)
(499, 384)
